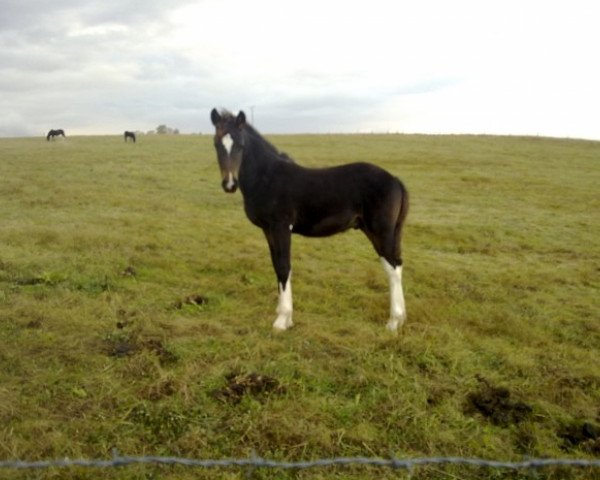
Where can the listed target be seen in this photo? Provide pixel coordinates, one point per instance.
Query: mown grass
(136, 304)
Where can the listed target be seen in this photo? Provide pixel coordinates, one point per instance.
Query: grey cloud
(64, 64)
(130, 12)
(29, 14)
(100, 67)
(323, 114)
(427, 85)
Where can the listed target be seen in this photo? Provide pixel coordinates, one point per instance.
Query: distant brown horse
(127, 135)
(55, 133)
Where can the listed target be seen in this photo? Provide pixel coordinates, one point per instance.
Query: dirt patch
(165, 356)
(583, 435)
(583, 383)
(438, 395)
(30, 280)
(121, 348)
(128, 271)
(495, 404)
(194, 299)
(253, 384)
(164, 388)
(34, 324)
(117, 346)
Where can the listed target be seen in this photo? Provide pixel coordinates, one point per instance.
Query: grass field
(136, 304)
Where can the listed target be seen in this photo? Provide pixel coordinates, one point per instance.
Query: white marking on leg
(227, 142)
(397, 305)
(284, 307)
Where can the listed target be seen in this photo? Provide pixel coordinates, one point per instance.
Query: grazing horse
(282, 197)
(55, 133)
(127, 135)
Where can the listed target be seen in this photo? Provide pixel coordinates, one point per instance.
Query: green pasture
(136, 303)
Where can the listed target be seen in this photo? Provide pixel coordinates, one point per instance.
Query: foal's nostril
(230, 186)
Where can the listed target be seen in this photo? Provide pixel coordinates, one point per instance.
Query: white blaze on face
(397, 306)
(227, 142)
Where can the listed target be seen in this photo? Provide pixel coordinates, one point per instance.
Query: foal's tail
(404, 203)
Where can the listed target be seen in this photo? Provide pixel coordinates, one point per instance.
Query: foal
(282, 197)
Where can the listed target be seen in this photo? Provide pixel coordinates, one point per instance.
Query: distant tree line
(164, 130)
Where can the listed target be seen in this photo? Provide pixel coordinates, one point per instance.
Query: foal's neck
(257, 159)
(259, 150)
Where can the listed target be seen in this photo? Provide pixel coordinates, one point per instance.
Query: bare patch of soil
(34, 324)
(128, 271)
(164, 388)
(253, 384)
(164, 355)
(495, 404)
(194, 299)
(585, 436)
(124, 347)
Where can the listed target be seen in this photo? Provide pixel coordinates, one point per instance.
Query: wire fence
(256, 462)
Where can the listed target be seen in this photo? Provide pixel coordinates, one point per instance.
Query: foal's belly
(310, 221)
(323, 226)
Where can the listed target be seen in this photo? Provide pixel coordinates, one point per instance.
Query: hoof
(282, 323)
(393, 324)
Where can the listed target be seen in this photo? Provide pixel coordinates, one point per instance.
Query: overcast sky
(460, 66)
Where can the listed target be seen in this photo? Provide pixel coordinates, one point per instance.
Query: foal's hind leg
(397, 305)
(385, 236)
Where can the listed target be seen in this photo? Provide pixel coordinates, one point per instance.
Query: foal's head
(229, 143)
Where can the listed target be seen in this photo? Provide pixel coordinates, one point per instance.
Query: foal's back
(324, 201)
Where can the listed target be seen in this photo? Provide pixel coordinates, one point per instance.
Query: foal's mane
(267, 147)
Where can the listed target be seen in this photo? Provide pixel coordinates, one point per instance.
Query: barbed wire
(257, 462)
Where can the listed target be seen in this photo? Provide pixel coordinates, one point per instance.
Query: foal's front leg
(284, 307)
(279, 245)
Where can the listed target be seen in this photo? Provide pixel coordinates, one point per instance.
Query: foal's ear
(240, 120)
(215, 117)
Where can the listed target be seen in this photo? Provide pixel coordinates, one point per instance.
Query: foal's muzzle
(230, 185)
